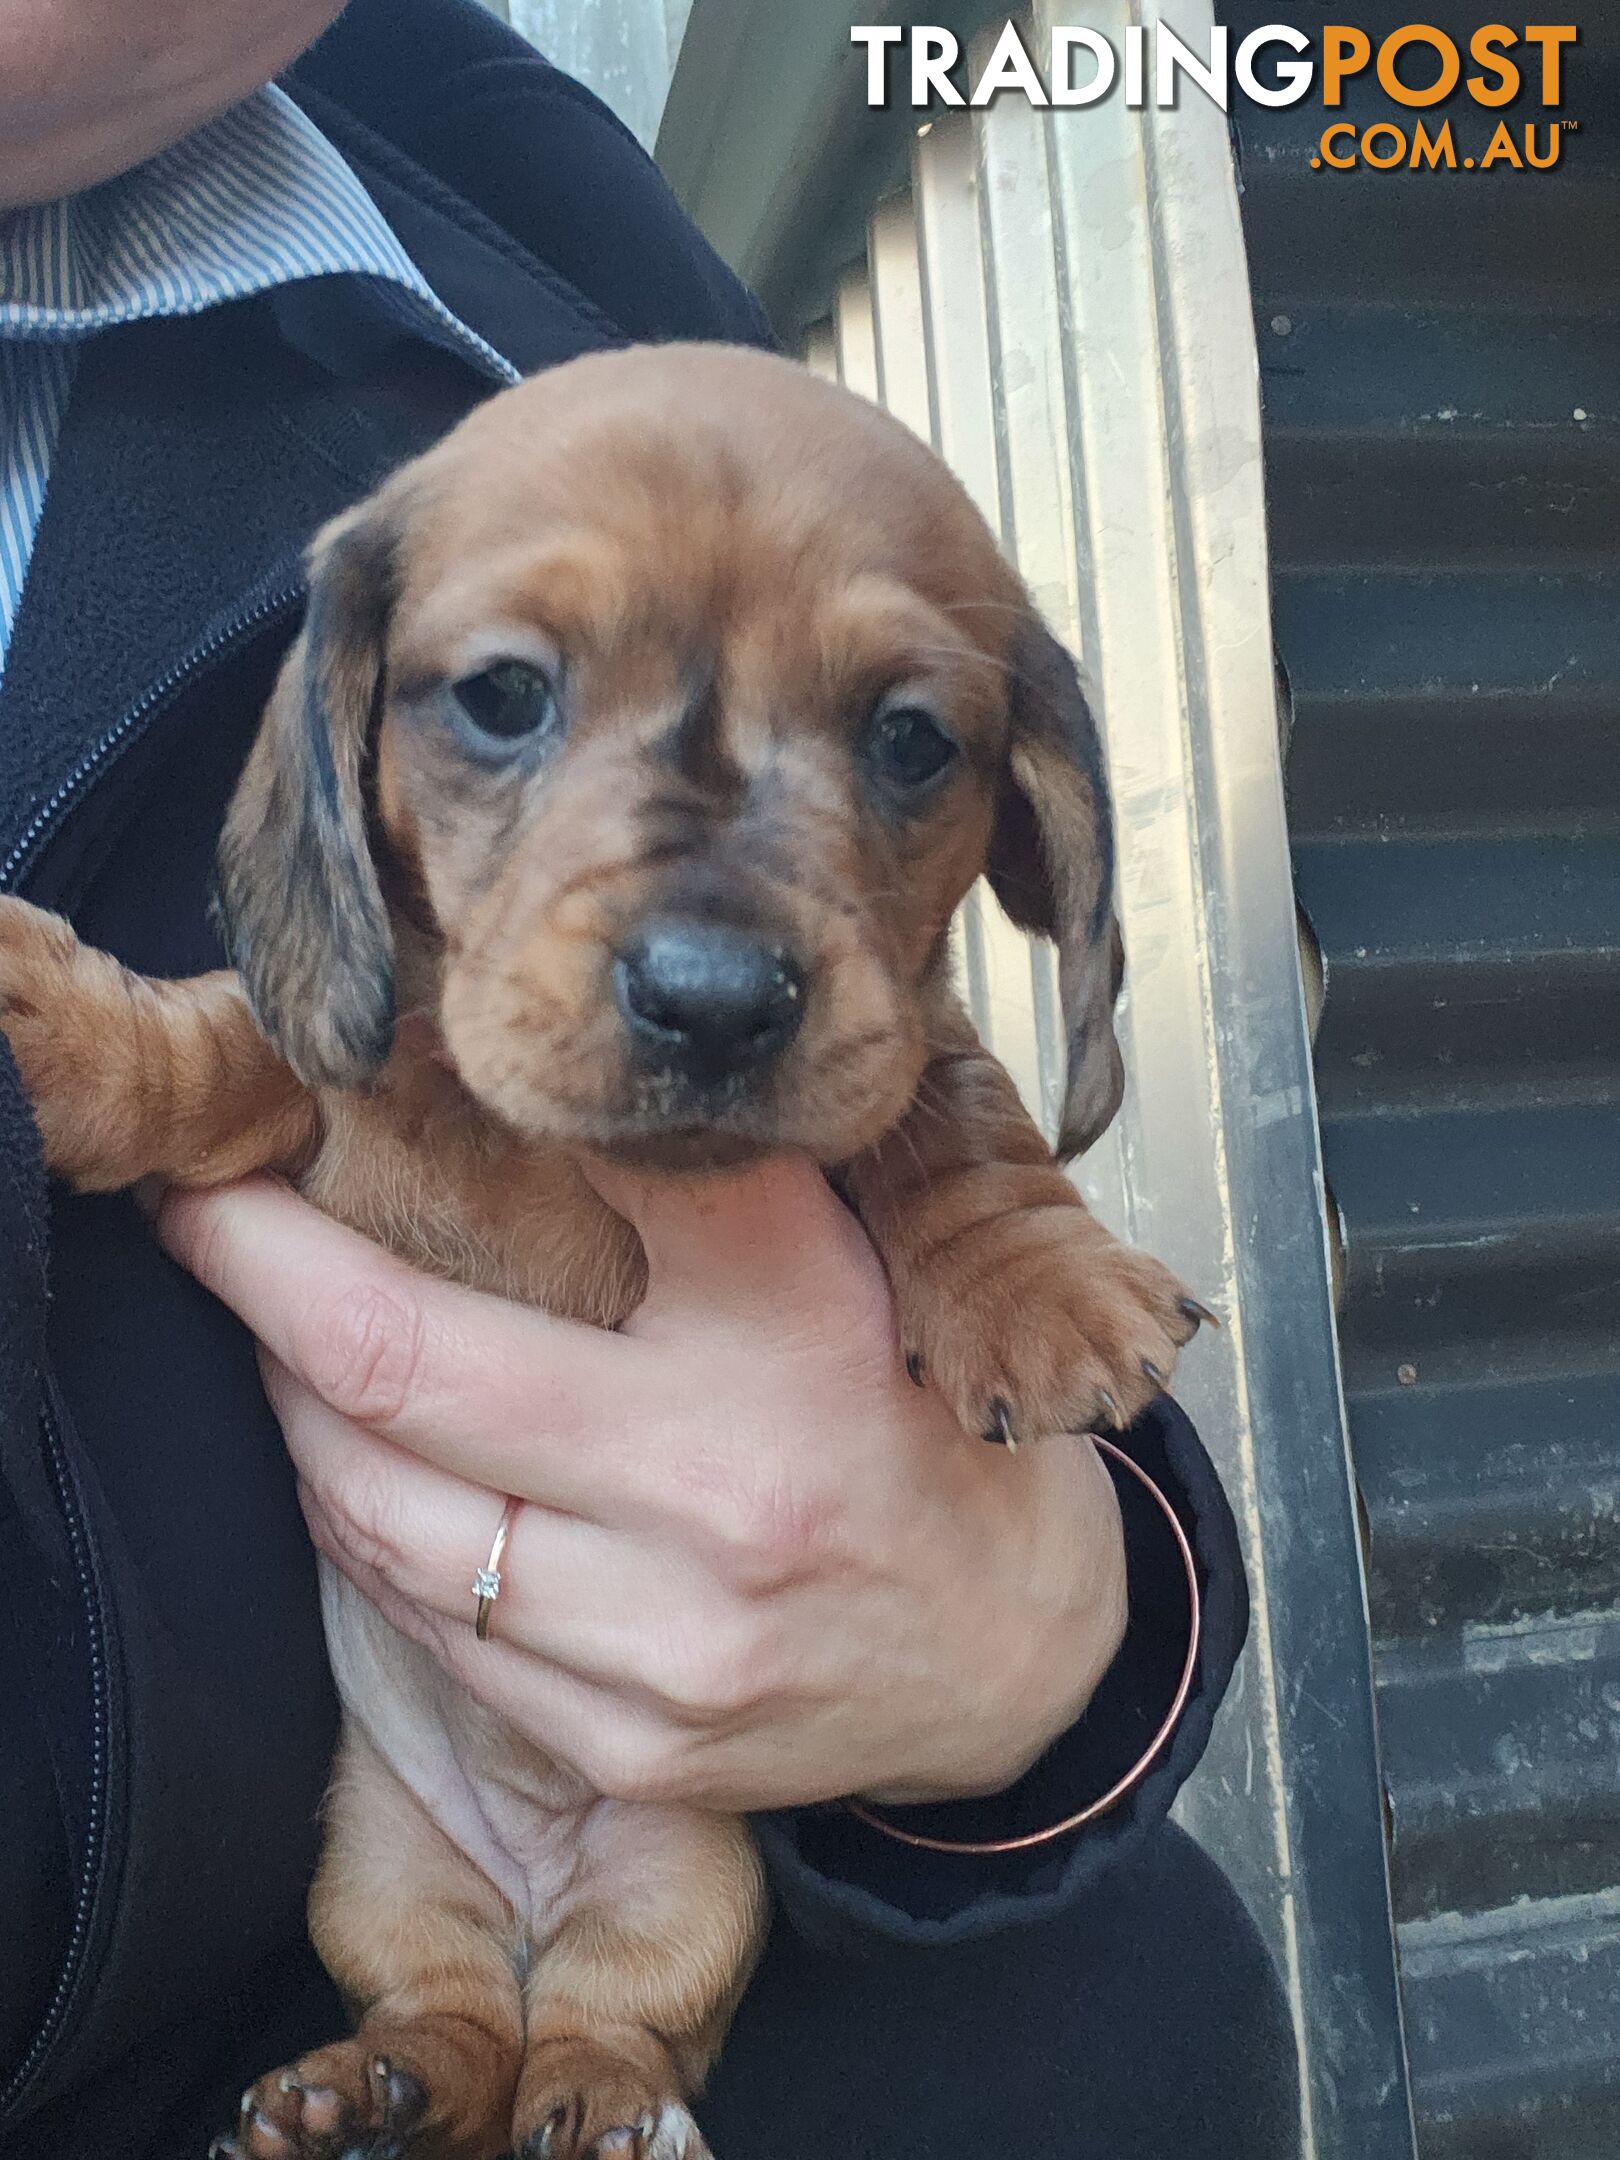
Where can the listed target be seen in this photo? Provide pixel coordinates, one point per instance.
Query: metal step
(1450, 697)
(1303, 257)
(1464, 968)
(1493, 1497)
(1404, 1034)
(1412, 242)
(1518, 420)
(1510, 2019)
(1499, 1749)
(1455, 376)
(1451, 896)
(1476, 1229)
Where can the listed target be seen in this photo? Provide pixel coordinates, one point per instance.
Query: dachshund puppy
(639, 744)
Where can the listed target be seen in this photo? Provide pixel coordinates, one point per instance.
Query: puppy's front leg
(1026, 1314)
(629, 2000)
(425, 1948)
(133, 1078)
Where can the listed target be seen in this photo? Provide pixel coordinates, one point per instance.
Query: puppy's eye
(507, 701)
(908, 747)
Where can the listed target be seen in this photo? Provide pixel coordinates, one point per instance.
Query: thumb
(771, 1234)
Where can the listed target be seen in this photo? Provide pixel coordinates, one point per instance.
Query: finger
(773, 1234)
(503, 1395)
(611, 1607)
(612, 1741)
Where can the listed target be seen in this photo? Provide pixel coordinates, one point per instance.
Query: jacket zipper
(81, 1546)
(63, 798)
(59, 1468)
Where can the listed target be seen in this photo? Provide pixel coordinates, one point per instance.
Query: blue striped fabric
(255, 199)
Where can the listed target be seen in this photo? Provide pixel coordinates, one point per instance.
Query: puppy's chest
(416, 1167)
(413, 1167)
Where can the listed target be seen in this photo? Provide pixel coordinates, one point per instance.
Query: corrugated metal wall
(1440, 358)
(1060, 304)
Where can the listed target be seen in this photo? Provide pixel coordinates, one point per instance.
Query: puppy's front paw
(580, 2100)
(1037, 1321)
(38, 957)
(343, 2101)
(664, 2133)
(66, 1013)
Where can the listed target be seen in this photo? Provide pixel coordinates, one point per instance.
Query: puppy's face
(678, 698)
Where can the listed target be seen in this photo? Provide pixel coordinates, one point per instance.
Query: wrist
(936, 1838)
(1056, 1630)
(842, 1881)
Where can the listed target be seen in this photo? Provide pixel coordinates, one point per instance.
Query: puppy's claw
(1110, 1408)
(551, 2129)
(1153, 1372)
(671, 2134)
(1199, 1314)
(630, 2144)
(403, 2098)
(224, 2148)
(1000, 1432)
(914, 1367)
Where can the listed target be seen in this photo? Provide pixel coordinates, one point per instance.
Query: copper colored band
(1144, 1762)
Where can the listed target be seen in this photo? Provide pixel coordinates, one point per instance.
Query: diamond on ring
(487, 1582)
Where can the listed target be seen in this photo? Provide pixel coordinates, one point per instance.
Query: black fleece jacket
(166, 1715)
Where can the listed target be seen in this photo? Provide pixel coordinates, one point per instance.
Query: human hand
(756, 1566)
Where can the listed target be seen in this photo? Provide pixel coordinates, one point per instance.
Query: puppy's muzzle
(707, 1001)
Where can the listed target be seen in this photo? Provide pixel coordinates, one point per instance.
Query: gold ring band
(487, 1582)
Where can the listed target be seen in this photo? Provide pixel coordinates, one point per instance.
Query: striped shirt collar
(254, 200)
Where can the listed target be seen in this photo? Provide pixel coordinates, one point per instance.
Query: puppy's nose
(713, 999)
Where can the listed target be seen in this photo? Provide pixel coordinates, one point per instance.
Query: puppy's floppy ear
(1051, 865)
(299, 900)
